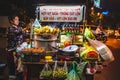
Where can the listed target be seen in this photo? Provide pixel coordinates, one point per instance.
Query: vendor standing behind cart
(15, 38)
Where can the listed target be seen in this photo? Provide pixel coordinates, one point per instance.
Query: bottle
(70, 29)
(63, 30)
(77, 30)
(66, 28)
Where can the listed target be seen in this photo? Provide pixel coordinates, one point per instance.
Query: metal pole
(84, 20)
(84, 16)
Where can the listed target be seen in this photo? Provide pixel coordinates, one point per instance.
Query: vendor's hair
(11, 17)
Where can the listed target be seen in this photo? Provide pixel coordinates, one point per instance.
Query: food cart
(51, 44)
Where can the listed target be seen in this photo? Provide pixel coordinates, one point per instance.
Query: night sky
(111, 5)
(8, 6)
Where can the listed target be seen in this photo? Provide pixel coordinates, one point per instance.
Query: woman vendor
(15, 38)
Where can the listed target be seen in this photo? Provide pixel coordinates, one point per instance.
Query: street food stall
(66, 52)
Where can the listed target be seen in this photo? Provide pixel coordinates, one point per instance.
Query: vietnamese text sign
(61, 13)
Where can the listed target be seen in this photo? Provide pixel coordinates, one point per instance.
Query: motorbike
(101, 37)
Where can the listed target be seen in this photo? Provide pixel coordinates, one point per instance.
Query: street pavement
(112, 71)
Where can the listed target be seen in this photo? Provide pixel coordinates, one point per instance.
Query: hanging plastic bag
(65, 68)
(88, 34)
(46, 72)
(98, 67)
(36, 26)
(60, 73)
(90, 70)
(72, 75)
(80, 68)
(102, 49)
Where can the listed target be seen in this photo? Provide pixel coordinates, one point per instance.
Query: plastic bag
(90, 70)
(46, 71)
(88, 34)
(72, 75)
(36, 24)
(80, 68)
(102, 49)
(99, 67)
(60, 73)
(36, 27)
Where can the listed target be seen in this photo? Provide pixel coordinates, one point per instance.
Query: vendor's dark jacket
(15, 37)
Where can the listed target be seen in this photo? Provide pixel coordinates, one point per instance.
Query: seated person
(18, 55)
(25, 44)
